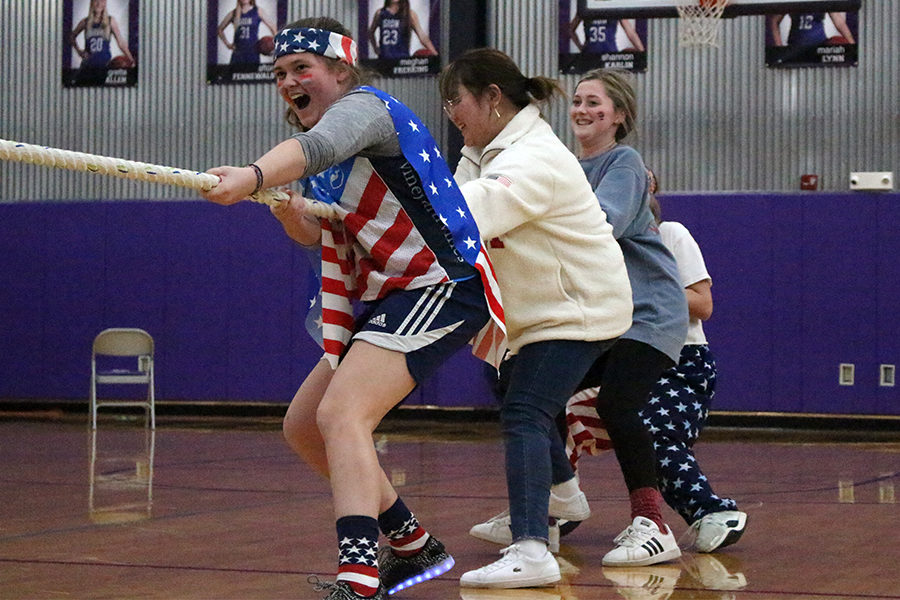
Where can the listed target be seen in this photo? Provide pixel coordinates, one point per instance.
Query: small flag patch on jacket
(503, 179)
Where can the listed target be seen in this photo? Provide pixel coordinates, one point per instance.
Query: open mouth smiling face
(307, 85)
(294, 76)
(300, 100)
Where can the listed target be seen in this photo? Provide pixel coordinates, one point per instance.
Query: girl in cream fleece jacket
(561, 272)
(562, 278)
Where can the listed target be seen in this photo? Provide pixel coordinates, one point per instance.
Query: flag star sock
(358, 553)
(406, 536)
(645, 503)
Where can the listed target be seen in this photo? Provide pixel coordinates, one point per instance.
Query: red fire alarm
(809, 182)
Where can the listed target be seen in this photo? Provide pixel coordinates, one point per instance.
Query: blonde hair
(104, 18)
(619, 89)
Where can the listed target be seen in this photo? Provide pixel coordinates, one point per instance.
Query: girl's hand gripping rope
(235, 184)
(297, 219)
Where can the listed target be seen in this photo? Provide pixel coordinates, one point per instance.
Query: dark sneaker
(399, 573)
(567, 527)
(341, 590)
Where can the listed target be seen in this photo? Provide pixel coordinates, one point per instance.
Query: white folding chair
(123, 342)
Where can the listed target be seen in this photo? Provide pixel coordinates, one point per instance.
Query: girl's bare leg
(369, 382)
(299, 427)
(302, 434)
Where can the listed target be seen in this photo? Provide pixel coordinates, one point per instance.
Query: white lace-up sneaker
(497, 530)
(719, 529)
(573, 508)
(641, 544)
(514, 570)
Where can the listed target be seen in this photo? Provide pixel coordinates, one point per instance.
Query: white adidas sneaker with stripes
(642, 544)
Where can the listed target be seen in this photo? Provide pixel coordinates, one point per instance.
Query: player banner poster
(240, 39)
(100, 43)
(400, 38)
(814, 39)
(591, 40)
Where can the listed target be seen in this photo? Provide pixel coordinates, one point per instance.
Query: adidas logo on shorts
(378, 320)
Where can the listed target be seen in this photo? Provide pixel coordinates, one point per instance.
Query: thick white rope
(129, 169)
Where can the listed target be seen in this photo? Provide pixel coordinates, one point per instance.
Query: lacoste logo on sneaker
(517, 569)
(379, 320)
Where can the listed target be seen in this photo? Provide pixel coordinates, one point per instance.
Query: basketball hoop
(699, 22)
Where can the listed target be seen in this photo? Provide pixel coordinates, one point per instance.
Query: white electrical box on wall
(846, 374)
(872, 180)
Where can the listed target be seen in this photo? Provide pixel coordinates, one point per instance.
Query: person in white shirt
(687, 391)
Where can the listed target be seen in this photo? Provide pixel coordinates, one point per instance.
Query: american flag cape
(357, 193)
(587, 432)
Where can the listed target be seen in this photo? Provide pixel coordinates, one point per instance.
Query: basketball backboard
(666, 8)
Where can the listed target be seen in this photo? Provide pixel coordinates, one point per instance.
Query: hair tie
(259, 177)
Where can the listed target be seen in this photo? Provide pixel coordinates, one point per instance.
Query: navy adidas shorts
(427, 324)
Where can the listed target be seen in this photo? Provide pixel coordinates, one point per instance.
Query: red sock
(645, 503)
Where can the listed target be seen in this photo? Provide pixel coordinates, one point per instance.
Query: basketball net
(699, 22)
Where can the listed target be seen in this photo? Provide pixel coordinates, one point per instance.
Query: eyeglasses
(451, 104)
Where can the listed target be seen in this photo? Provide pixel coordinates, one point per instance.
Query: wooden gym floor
(226, 512)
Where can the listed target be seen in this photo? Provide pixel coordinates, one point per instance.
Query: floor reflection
(656, 582)
(714, 571)
(121, 475)
(886, 493)
(523, 594)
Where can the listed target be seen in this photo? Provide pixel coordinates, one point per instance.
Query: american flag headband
(318, 41)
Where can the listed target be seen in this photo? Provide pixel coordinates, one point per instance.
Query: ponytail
(481, 68)
(543, 88)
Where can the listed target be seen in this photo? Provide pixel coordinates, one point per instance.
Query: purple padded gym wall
(802, 283)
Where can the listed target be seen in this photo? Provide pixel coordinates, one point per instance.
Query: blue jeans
(542, 377)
